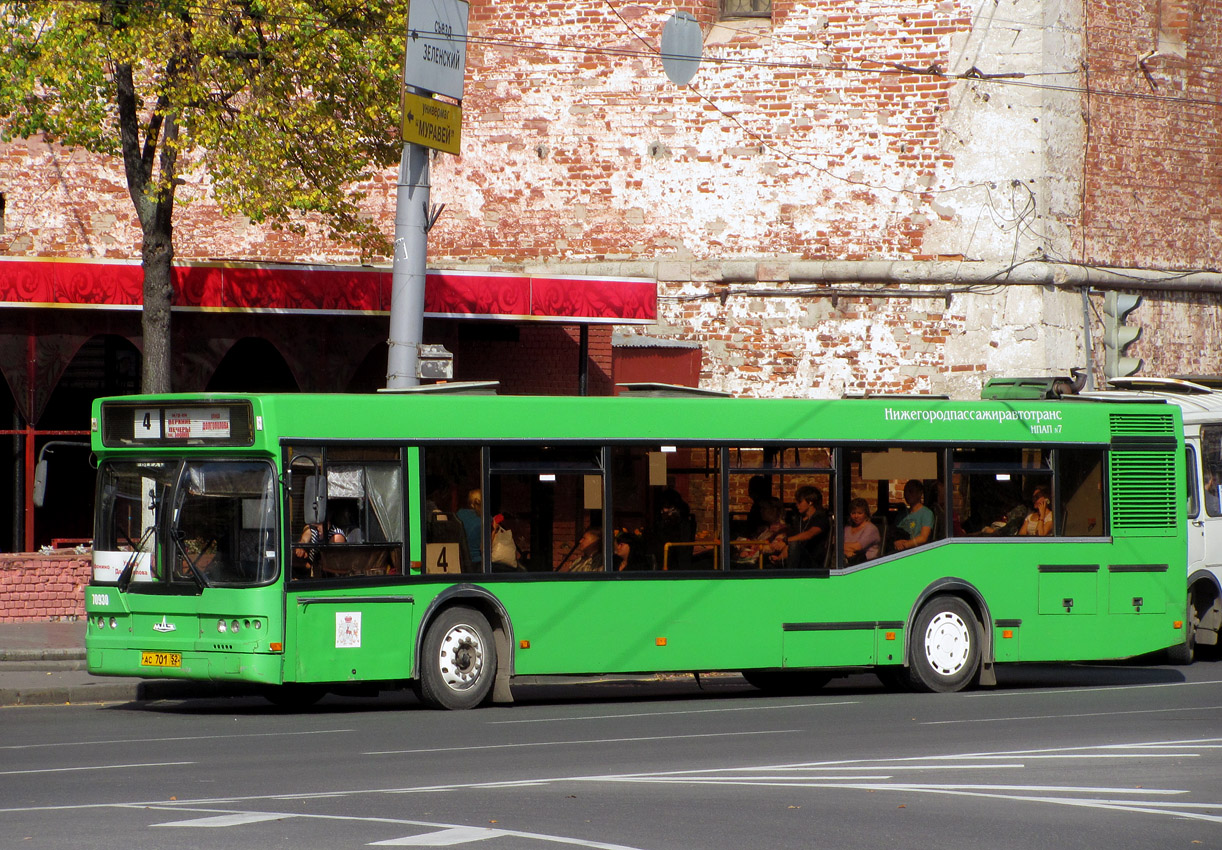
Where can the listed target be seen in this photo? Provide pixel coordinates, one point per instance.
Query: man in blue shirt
(918, 522)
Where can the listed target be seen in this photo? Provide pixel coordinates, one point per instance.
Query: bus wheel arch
(471, 614)
(1202, 619)
(948, 613)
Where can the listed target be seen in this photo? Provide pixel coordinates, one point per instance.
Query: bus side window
(1191, 479)
(1080, 479)
(1211, 463)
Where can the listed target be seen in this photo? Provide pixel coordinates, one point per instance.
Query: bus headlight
(221, 627)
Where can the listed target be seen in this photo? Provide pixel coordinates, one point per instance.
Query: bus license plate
(160, 659)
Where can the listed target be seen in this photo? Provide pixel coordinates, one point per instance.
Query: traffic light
(1117, 335)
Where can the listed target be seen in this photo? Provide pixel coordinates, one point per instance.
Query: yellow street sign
(432, 123)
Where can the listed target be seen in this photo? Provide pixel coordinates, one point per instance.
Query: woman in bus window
(861, 537)
(1039, 522)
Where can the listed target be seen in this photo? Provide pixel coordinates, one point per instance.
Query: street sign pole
(409, 267)
(434, 61)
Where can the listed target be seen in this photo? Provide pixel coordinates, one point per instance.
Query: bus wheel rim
(948, 643)
(461, 657)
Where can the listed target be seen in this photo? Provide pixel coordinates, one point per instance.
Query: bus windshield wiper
(192, 570)
(129, 568)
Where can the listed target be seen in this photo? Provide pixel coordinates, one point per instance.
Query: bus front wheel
(944, 655)
(457, 661)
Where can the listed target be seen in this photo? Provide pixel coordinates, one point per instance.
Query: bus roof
(1198, 401)
(560, 419)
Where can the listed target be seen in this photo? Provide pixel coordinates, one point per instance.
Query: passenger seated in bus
(765, 541)
(1008, 523)
(1038, 523)
(937, 504)
(313, 536)
(673, 523)
(472, 522)
(1213, 507)
(346, 522)
(759, 490)
(861, 537)
(806, 547)
(629, 551)
(586, 556)
(916, 526)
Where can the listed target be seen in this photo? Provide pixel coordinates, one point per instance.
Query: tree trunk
(157, 255)
(153, 198)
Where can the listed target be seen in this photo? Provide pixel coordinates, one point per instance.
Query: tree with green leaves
(284, 103)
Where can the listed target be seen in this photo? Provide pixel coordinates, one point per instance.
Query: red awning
(245, 287)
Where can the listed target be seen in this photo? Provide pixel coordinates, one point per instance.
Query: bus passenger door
(350, 638)
(1198, 520)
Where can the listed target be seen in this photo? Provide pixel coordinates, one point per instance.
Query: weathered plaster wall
(807, 137)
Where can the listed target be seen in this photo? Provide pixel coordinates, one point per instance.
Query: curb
(119, 691)
(27, 655)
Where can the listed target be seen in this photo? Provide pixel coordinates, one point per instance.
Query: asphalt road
(1056, 757)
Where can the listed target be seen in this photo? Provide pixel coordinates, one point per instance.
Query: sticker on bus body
(347, 629)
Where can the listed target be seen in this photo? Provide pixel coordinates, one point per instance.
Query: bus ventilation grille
(1143, 492)
(1142, 424)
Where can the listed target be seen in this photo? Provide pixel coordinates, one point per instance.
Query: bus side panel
(852, 619)
(349, 636)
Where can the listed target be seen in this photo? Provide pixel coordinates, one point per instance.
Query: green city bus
(453, 540)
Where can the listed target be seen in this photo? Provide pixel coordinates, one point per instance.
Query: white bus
(1200, 399)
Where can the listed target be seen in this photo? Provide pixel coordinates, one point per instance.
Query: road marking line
(1063, 716)
(753, 708)
(159, 740)
(589, 741)
(94, 767)
(442, 834)
(443, 838)
(1086, 690)
(237, 819)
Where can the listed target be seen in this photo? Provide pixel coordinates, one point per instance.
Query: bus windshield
(192, 524)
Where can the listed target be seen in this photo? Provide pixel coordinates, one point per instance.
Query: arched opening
(253, 365)
(103, 366)
(370, 376)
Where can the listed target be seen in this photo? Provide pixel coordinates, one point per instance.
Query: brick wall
(1153, 183)
(43, 587)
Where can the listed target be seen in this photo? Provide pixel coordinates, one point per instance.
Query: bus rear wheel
(944, 654)
(457, 661)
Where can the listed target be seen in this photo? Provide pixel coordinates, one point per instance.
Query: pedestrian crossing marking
(443, 838)
(227, 820)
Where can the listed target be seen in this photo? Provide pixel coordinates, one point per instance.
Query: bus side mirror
(40, 483)
(315, 499)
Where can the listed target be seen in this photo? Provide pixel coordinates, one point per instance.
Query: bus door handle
(1138, 601)
(1067, 604)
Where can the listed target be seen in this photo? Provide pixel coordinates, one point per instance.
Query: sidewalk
(43, 663)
